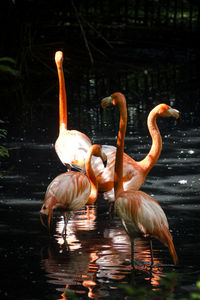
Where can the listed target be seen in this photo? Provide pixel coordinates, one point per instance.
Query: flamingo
(71, 145)
(71, 190)
(140, 214)
(134, 172)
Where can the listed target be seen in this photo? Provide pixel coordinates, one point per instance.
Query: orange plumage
(134, 172)
(71, 145)
(140, 214)
(70, 191)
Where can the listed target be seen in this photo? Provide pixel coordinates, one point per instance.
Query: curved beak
(41, 220)
(174, 113)
(106, 102)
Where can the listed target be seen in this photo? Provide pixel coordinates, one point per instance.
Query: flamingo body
(70, 191)
(134, 172)
(71, 145)
(140, 214)
(67, 192)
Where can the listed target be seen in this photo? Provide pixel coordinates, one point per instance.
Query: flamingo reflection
(83, 220)
(99, 254)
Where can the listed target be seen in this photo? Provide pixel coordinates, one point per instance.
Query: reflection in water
(96, 258)
(83, 220)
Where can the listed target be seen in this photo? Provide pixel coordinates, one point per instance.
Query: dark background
(148, 50)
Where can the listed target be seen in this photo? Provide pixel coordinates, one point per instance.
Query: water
(36, 265)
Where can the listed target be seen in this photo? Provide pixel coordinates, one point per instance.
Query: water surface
(36, 265)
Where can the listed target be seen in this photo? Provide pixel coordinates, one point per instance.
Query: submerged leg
(132, 253)
(111, 208)
(151, 250)
(50, 217)
(66, 217)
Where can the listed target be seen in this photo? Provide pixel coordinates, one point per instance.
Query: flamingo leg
(132, 253)
(111, 208)
(151, 250)
(66, 217)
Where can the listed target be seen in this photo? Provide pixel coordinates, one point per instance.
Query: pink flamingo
(140, 214)
(70, 191)
(71, 145)
(134, 172)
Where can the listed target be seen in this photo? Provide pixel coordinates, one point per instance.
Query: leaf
(7, 69)
(3, 133)
(195, 296)
(70, 294)
(4, 151)
(8, 59)
(198, 284)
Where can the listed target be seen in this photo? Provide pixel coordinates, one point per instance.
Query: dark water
(35, 265)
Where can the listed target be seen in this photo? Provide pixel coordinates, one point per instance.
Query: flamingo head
(165, 110)
(59, 58)
(44, 210)
(96, 150)
(114, 99)
(105, 102)
(47, 209)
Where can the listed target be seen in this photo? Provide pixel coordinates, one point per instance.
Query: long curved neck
(92, 178)
(118, 177)
(62, 98)
(148, 162)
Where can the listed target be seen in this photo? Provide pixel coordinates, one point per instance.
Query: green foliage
(3, 134)
(70, 295)
(4, 151)
(7, 65)
(196, 295)
(7, 59)
(137, 293)
(164, 292)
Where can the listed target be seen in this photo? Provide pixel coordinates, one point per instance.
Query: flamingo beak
(174, 113)
(41, 220)
(105, 163)
(105, 102)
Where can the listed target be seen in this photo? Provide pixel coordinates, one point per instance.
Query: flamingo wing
(141, 215)
(68, 191)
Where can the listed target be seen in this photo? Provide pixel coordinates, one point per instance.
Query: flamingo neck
(149, 161)
(62, 99)
(92, 178)
(118, 177)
